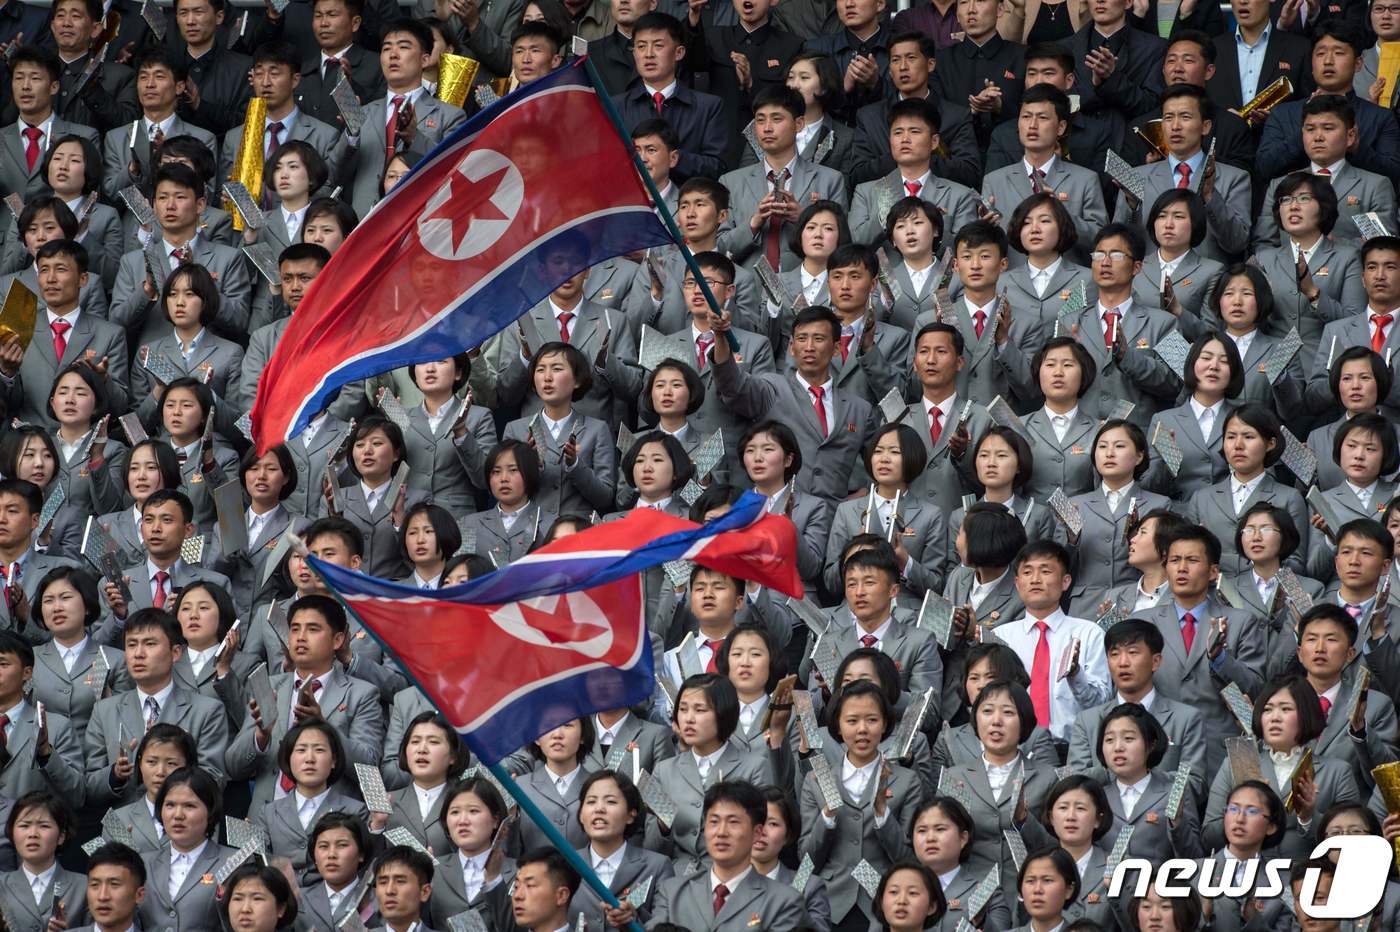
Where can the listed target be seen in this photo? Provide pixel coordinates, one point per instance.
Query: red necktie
(1188, 630)
(868, 640)
(1040, 676)
(1110, 331)
(158, 597)
(1354, 611)
(1325, 172)
(391, 131)
(846, 345)
(4, 723)
(979, 322)
(60, 330)
(1183, 175)
(713, 665)
(660, 99)
(913, 187)
(702, 348)
(31, 148)
(818, 393)
(1378, 337)
(773, 238)
(274, 138)
(935, 425)
(721, 894)
(564, 319)
(1326, 705)
(6, 570)
(1037, 181)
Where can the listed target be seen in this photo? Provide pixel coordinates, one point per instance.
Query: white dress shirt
(1040, 278)
(1131, 793)
(1061, 423)
(1205, 416)
(828, 403)
(812, 285)
(180, 865)
(980, 590)
(308, 806)
(703, 764)
(1241, 491)
(39, 883)
(917, 277)
(1169, 267)
(473, 873)
(1090, 683)
(200, 658)
(427, 798)
(998, 775)
(70, 655)
(606, 867)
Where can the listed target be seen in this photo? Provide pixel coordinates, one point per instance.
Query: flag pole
(665, 212)
(541, 821)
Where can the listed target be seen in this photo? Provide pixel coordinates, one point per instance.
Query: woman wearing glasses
(1314, 279)
(1266, 536)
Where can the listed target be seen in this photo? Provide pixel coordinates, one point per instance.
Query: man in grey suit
(67, 334)
(317, 687)
(38, 754)
(1373, 325)
(153, 642)
(913, 141)
(1135, 648)
(160, 80)
(833, 427)
(276, 74)
(729, 896)
(298, 265)
(1329, 133)
(1043, 123)
(34, 85)
(407, 44)
(179, 200)
(1208, 644)
(765, 199)
(1225, 190)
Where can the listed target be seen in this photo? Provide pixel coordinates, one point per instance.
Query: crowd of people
(1061, 330)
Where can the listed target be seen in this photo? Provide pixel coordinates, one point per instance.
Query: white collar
(71, 318)
(880, 633)
(709, 760)
(476, 861)
(1049, 271)
(1146, 701)
(46, 876)
(922, 181)
(152, 570)
(1139, 787)
(338, 56)
(1045, 170)
(667, 92)
(1197, 409)
(732, 883)
(1069, 415)
(616, 726)
(613, 860)
(316, 801)
(807, 389)
(790, 168)
(849, 770)
(1052, 621)
(161, 697)
(1236, 485)
(1122, 309)
(1333, 170)
(1103, 487)
(192, 855)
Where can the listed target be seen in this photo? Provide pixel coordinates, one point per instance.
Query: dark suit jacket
(314, 92)
(1287, 55)
(698, 119)
(1377, 144)
(963, 68)
(962, 163)
(222, 79)
(842, 46)
(105, 100)
(1135, 84)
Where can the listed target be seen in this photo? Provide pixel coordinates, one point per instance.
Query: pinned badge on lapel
(1321, 272)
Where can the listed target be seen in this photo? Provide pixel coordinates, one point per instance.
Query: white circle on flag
(473, 208)
(571, 622)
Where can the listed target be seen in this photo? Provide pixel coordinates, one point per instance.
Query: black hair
(1025, 459)
(64, 247)
(720, 694)
(62, 214)
(344, 216)
(981, 233)
(368, 425)
(1069, 234)
(540, 29)
(201, 282)
(271, 878)
(957, 814)
(289, 740)
(50, 802)
(857, 689)
(480, 787)
(1259, 418)
(1322, 191)
(654, 127)
(993, 535)
(335, 525)
(223, 603)
(1193, 533)
(630, 795)
(449, 535)
(682, 469)
(1196, 93)
(527, 461)
(708, 187)
(587, 737)
(849, 255)
(913, 455)
(922, 109)
(832, 95)
(420, 33)
(1153, 735)
(909, 206)
(695, 388)
(416, 861)
(1379, 370)
(1195, 210)
(327, 607)
(1025, 710)
(1334, 104)
(166, 733)
(1277, 817)
(116, 854)
(1045, 547)
(1130, 235)
(277, 53)
(1329, 611)
(660, 22)
(779, 95)
(574, 358)
(1048, 94)
(161, 496)
(1377, 426)
(783, 436)
(1088, 369)
(777, 662)
(317, 172)
(177, 173)
(284, 461)
(203, 396)
(35, 55)
(1232, 359)
(936, 897)
(203, 786)
(1087, 784)
(953, 334)
(1263, 291)
(155, 619)
(92, 157)
(81, 580)
(742, 794)
(1132, 631)
(1368, 529)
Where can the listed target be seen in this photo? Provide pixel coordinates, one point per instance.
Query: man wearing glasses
(1120, 334)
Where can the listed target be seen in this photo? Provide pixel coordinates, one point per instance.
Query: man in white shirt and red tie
(1375, 326)
(1065, 655)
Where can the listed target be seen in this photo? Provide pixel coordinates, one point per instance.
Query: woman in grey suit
(1242, 304)
(909, 898)
(1266, 537)
(1358, 380)
(472, 814)
(914, 227)
(1176, 225)
(878, 799)
(510, 529)
(189, 298)
(578, 459)
(313, 758)
(73, 167)
(1130, 745)
(163, 750)
(942, 839)
(1004, 465)
(555, 782)
(1252, 441)
(1101, 548)
(1076, 817)
(433, 756)
(447, 437)
(1288, 719)
(206, 614)
(428, 538)
(259, 899)
(292, 174)
(894, 459)
(268, 481)
(66, 604)
(820, 229)
(376, 451)
(190, 810)
(1042, 228)
(148, 466)
(341, 848)
(1365, 450)
(771, 459)
(987, 662)
(670, 394)
(186, 405)
(46, 217)
(1059, 433)
(610, 814)
(1214, 377)
(1049, 884)
(705, 717)
(37, 824)
(28, 452)
(78, 402)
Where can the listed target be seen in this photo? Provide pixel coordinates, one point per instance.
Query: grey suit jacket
(15, 178)
(1192, 281)
(24, 915)
(609, 283)
(1227, 212)
(1187, 676)
(61, 774)
(1076, 188)
(450, 894)
(28, 392)
(959, 746)
(672, 314)
(287, 837)
(991, 369)
(73, 694)
(1060, 464)
(586, 332)
(1320, 441)
(921, 530)
(117, 151)
(1202, 463)
(102, 239)
(914, 650)
(1355, 330)
(121, 716)
(261, 344)
(321, 136)
(1184, 732)
(195, 905)
(310, 463)
(447, 470)
(1101, 556)
(349, 705)
(507, 546)
(363, 165)
(829, 462)
(424, 826)
(1213, 507)
(638, 864)
(992, 815)
(406, 704)
(148, 834)
(1336, 271)
(1065, 280)
(33, 567)
(224, 359)
(681, 778)
(1358, 192)
(1140, 376)
(873, 199)
(145, 320)
(1332, 777)
(382, 557)
(688, 902)
(561, 811)
(590, 484)
(748, 186)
